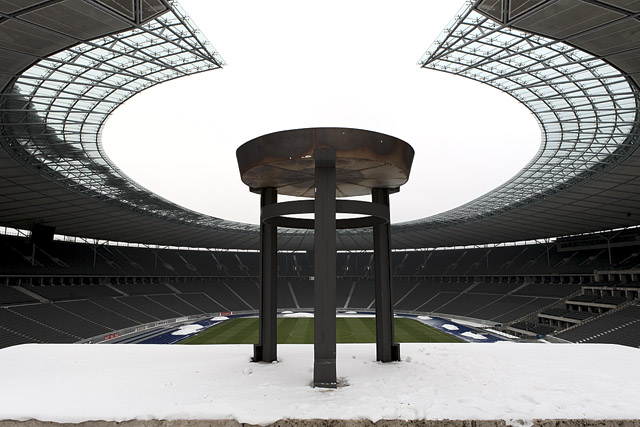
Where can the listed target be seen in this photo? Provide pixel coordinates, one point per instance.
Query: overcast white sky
(331, 63)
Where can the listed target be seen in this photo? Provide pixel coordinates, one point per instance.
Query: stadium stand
(89, 309)
(302, 288)
(34, 330)
(619, 327)
(533, 328)
(548, 290)
(69, 291)
(202, 302)
(9, 295)
(509, 308)
(361, 295)
(9, 338)
(581, 288)
(58, 318)
(285, 295)
(118, 307)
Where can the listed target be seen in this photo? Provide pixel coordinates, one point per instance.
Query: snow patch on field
(355, 314)
(301, 314)
(501, 333)
(220, 318)
(187, 329)
(469, 323)
(450, 327)
(473, 335)
(511, 381)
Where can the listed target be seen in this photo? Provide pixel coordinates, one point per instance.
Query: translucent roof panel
(60, 81)
(586, 108)
(58, 106)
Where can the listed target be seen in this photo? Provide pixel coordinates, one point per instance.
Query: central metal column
(267, 348)
(324, 335)
(386, 349)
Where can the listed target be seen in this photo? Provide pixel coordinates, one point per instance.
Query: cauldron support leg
(324, 341)
(386, 349)
(267, 348)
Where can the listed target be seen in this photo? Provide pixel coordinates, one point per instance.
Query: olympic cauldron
(325, 164)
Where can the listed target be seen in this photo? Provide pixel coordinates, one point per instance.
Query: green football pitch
(292, 330)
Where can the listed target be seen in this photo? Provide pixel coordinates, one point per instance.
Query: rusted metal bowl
(364, 160)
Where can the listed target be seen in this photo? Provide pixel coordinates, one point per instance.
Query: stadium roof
(66, 65)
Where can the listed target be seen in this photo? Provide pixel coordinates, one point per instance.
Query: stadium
(90, 256)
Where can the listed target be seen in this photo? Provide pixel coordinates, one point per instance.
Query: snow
(301, 314)
(345, 314)
(220, 318)
(73, 383)
(424, 317)
(356, 314)
(473, 335)
(469, 323)
(187, 329)
(450, 327)
(502, 334)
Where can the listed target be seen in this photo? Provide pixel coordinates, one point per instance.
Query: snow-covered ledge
(337, 423)
(69, 383)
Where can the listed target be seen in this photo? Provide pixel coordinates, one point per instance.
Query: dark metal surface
(383, 293)
(324, 310)
(375, 214)
(323, 174)
(266, 349)
(364, 160)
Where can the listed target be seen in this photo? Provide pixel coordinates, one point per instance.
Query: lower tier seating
(73, 312)
(620, 327)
